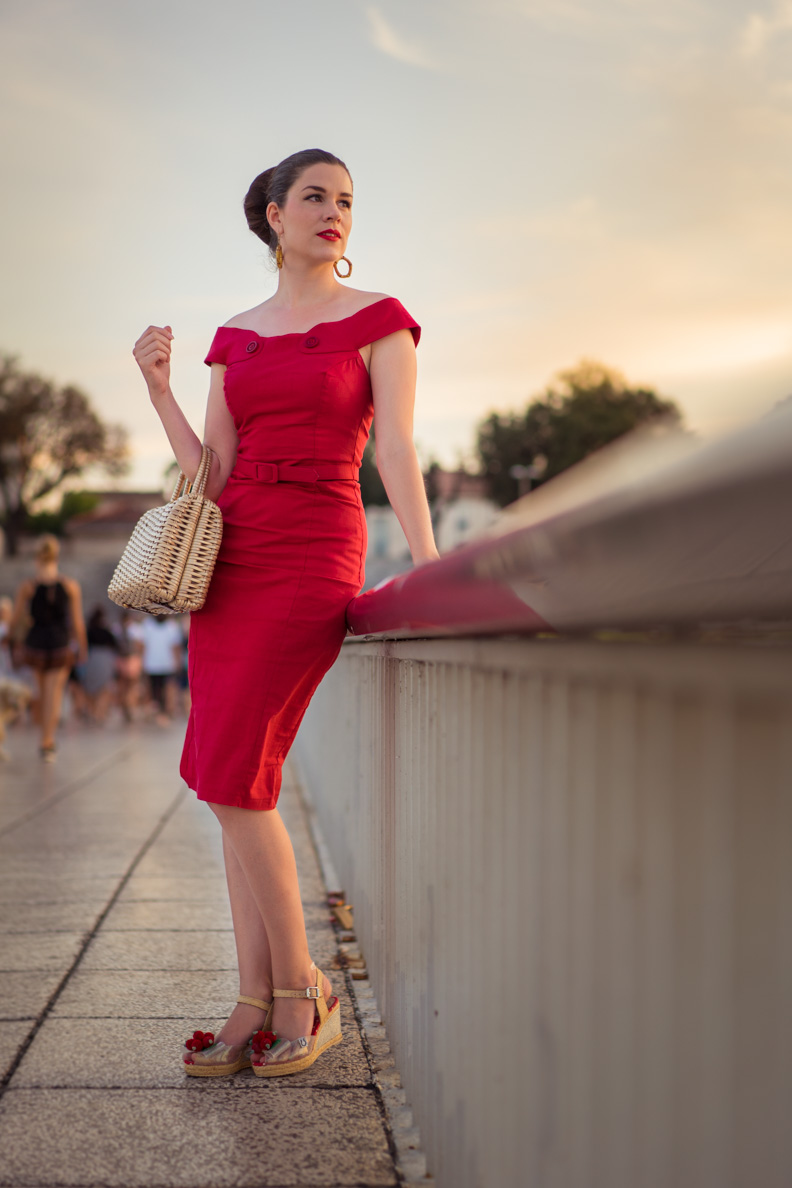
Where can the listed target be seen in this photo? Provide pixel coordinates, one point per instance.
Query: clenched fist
(152, 353)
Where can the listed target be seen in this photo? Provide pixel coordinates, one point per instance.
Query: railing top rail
(644, 534)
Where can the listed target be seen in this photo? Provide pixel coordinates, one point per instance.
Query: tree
(73, 503)
(372, 488)
(48, 434)
(589, 406)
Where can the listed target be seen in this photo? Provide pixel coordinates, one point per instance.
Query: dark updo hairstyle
(274, 184)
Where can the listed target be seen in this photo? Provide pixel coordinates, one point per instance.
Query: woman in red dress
(295, 383)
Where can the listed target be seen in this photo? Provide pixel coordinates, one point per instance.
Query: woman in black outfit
(52, 605)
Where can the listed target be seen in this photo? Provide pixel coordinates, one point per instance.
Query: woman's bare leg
(253, 953)
(265, 854)
(40, 706)
(52, 684)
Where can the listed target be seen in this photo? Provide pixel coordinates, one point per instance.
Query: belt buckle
(266, 472)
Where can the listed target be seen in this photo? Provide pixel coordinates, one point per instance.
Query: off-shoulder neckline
(318, 326)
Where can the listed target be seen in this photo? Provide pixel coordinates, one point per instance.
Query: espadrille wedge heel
(276, 1057)
(206, 1057)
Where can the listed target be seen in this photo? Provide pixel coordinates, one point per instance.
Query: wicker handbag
(168, 563)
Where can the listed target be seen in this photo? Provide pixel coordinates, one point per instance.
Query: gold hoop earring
(343, 275)
(279, 255)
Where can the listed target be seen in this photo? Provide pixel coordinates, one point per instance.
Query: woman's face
(316, 219)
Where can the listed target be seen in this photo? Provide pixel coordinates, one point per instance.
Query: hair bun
(256, 202)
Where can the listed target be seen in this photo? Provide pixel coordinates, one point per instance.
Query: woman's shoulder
(222, 344)
(242, 321)
(363, 298)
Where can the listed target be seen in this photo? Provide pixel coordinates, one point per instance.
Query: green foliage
(431, 485)
(372, 488)
(589, 407)
(48, 434)
(73, 503)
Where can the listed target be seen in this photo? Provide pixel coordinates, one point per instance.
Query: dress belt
(272, 472)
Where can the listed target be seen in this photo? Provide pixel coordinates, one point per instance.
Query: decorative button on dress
(293, 552)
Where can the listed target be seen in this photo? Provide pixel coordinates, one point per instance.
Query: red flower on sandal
(199, 1040)
(262, 1041)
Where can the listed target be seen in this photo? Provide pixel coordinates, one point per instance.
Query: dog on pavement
(14, 700)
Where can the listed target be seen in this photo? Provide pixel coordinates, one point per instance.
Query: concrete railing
(571, 859)
(571, 868)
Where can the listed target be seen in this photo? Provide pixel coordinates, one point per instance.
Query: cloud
(759, 29)
(389, 42)
(606, 19)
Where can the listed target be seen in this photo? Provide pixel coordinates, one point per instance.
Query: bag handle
(198, 484)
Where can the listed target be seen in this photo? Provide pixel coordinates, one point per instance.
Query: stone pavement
(116, 944)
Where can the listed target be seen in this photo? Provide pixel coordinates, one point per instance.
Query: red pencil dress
(293, 551)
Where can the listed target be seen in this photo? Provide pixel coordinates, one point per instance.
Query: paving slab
(146, 1053)
(147, 994)
(159, 863)
(161, 950)
(54, 887)
(24, 995)
(169, 916)
(130, 860)
(208, 888)
(131, 1138)
(12, 1036)
(33, 867)
(39, 950)
(18, 916)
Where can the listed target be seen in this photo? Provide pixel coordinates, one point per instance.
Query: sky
(538, 181)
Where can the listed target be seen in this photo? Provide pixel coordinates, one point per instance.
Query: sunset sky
(536, 180)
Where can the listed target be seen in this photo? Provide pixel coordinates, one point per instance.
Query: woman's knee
(227, 814)
(231, 815)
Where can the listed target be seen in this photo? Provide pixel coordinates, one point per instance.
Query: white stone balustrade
(571, 868)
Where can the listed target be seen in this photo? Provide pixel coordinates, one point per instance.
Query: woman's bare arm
(393, 375)
(219, 433)
(20, 612)
(152, 353)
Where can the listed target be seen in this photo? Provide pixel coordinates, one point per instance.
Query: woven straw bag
(168, 563)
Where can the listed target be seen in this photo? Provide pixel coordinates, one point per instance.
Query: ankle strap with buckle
(315, 992)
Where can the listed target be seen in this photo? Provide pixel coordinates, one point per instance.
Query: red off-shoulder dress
(293, 552)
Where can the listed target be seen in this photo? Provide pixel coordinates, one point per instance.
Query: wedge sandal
(204, 1056)
(276, 1057)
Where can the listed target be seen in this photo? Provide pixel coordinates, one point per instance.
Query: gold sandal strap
(321, 1004)
(256, 1002)
(309, 992)
(315, 992)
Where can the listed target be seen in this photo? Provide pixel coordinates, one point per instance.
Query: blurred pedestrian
(129, 663)
(97, 673)
(51, 604)
(15, 696)
(162, 658)
(6, 614)
(183, 676)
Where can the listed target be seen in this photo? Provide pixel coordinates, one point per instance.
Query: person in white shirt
(162, 657)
